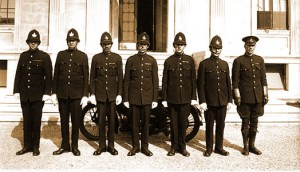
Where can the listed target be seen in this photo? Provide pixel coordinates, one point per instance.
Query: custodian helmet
(33, 36)
(73, 35)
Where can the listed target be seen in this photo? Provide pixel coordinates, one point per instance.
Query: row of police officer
(140, 94)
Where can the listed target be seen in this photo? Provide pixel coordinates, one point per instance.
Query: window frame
(269, 19)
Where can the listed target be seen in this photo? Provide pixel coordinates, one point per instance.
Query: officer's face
(179, 48)
(72, 44)
(249, 48)
(33, 45)
(106, 47)
(143, 47)
(215, 51)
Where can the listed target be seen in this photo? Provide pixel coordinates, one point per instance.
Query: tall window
(7, 12)
(272, 14)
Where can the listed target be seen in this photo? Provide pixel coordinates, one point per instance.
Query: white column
(294, 27)
(98, 21)
(57, 37)
(217, 18)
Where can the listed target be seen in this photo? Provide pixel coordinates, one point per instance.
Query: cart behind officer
(33, 87)
(249, 84)
(106, 90)
(70, 87)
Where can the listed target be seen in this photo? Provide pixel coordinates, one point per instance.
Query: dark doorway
(145, 20)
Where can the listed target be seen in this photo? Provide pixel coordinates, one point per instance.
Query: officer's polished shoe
(60, 151)
(207, 153)
(133, 151)
(171, 152)
(23, 151)
(146, 152)
(185, 153)
(76, 152)
(99, 151)
(112, 151)
(36, 152)
(254, 150)
(221, 152)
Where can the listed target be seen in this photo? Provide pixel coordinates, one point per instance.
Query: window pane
(7, 11)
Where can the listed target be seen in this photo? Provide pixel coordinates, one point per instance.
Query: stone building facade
(275, 22)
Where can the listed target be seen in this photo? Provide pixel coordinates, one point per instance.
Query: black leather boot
(252, 148)
(245, 134)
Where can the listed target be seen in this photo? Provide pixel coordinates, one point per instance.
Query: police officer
(106, 90)
(33, 87)
(141, 92)
(250, 92)
(215, 97)
(179, 93)
(70, 86)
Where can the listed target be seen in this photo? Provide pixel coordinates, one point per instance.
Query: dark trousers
(140, 113)
(218, 114)
(32, 114)
(249, 114)
(67, 107)
(179, 114)
(106, 109)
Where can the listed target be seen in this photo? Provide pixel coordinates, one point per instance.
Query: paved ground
(280, 144)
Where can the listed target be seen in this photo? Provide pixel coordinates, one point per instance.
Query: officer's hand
(84, 102)
(203, 106)
(54, 99)
(17, 95)
(266, 100)
(154, 105)
(93, 99)
(164, 103)
(229, 106)
(237, 101)
(194, 102)
(126, 104)
(118, 100)
(46, 98)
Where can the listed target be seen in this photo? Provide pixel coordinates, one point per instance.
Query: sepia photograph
(150, 85)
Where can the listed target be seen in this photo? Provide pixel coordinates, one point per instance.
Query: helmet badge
(34, 35)
(180, 38)
(144, 37)
(106, 37)
(71, 34)
(217, 42)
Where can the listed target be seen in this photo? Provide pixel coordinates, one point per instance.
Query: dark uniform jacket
(106, 76)
(179, 79)
(71, 75)
(141, 80)
(33, 76)
(249, 76)
(214, 84)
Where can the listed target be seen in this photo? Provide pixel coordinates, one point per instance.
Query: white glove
(118, 100)
(17, 95)
(164, 103)
(84, 102)
(54, 99)
(194, 102)
(46, 97)
(154, 105)
(229, 106)
(126, 104)
(203, 106)
(92, 99)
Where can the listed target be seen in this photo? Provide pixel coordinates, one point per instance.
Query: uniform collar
(247, 55)
(178, 54)
(214, 58)
(33, 51)
(141, 54)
